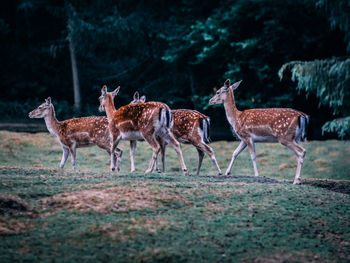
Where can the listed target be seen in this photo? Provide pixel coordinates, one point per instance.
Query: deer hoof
(298, 181)
(112, 169)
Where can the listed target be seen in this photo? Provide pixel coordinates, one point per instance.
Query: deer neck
(109, 107)
(52, 123)
(232, 113)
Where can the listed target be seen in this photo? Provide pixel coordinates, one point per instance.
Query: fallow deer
(283, 125)
(75, 133)
(189, 126)
(147, 121)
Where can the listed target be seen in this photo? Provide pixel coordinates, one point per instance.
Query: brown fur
(186, 124)
(262, 125)
(140, 121)
(75, 133)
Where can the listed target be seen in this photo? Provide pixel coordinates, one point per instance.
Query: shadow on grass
(340, 186)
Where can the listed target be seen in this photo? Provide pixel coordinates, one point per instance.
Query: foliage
(18, 111)
(338, 15)
(174, 52)
(61, 215)
(341, 126)
(329, 79)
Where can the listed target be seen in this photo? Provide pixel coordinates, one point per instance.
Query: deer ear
(104, 90)
(235, 85)
(227, 83)
(48, 101)
(143, 98)
(115, 92)
(136, 95)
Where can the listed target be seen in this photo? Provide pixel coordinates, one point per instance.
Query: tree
(329, 79)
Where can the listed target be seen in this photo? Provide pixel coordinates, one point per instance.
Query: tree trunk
(76, 87)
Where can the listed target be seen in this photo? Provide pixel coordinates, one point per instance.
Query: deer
(284, 125)
(147, 121)
(189, 126)
(76, 133)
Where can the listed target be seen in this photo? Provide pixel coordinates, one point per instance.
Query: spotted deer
(189, 126)
(283, 125)
(75, 133)
(148, 121)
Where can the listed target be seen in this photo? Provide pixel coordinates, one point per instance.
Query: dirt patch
(118, 199)
(286, 257)
(343, 246)
(341, 186)
(13, 205)
(334, 154)
(30, 168)
(319, 150)
(262, 154)
(131, 227)
(265, 162)
(92, 186)
(285, 166)
(320, 161)
(17, 140)
(215, 207)
(13, 226)
(321, 169)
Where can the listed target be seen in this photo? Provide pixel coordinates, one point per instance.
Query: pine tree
(329, 78)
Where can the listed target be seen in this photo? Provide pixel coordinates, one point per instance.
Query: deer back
(85, 131)
(138, 117)
(273, 122)
(189, 123)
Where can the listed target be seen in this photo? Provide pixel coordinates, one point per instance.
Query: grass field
(52, 215)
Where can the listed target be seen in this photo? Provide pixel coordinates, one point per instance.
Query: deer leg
(132, 155)
(162, 154)
(156, 164)
(156, 148)
(176, 145)
(114, 144)
(200, 159)
(118, 155)
(64, 156)
(73, 150)
(208, 150)
(251, 147)
(238, 150)
(300, 154)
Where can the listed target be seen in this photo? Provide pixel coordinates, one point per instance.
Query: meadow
(93, 215)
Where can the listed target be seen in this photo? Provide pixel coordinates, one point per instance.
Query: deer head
(106, 96)
(42, 111)
(222, 94)
(137, 99)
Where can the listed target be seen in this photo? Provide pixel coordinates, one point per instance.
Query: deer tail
(304, 125)
(204, 124)
(165, 117)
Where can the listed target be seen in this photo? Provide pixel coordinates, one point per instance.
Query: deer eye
(218, 92)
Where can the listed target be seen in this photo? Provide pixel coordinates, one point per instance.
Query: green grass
(91, 215)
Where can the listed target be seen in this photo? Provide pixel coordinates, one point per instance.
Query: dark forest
(290, 53)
